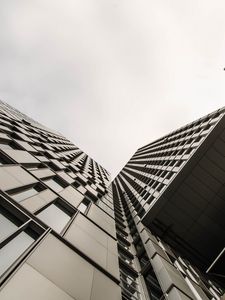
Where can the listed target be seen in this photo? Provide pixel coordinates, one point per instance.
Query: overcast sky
(113, 75)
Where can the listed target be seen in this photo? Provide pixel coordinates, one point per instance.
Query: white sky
(113, 75)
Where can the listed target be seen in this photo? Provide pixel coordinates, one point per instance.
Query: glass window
(11, 251)
(56, 186)
(25, 194)
(54, 217)
(6, 227)
(5, 146)
(84, 205)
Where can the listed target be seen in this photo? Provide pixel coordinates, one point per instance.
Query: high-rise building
(68, 233)
(171, 194)
(57, 228)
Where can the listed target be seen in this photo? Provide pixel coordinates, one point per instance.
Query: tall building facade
(67, 232)
(171, 196)
(57, 227)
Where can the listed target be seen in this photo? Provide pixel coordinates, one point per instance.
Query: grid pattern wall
(151, 260)
(153, 167)
(55, 205)
(68, 233)
(137, 188)
(53, 160)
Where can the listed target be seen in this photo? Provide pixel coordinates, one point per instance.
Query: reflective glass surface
(11, 251)
(54, 185)
(54, 217)
(24, 194)
(6, 227)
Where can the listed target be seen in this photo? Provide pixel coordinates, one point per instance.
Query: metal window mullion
(21, 259)
(65, 229)
(14, 234)
(127, 291)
